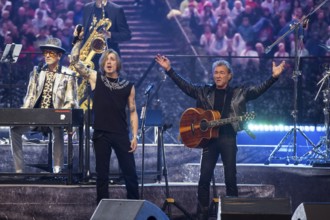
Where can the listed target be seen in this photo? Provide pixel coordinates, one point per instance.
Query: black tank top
(109, 105)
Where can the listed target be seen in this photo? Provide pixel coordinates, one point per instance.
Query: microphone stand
(87, 133)
(322, 157)
(86, 169)
(296, 73)
(295, 26)
(169, 200)
(143, 120)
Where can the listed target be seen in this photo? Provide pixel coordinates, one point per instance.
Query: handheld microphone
(76, 38)
(148, 89)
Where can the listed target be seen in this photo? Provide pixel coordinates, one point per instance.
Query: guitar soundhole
(203, 125)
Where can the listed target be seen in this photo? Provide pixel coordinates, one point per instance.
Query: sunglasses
(50, 52)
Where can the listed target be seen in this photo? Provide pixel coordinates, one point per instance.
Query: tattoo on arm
(82, 69)
(132, 109)
(75, 53)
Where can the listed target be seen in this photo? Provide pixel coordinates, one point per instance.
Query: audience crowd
(223, 27)
(33, 22)
(227, 28)
(246, 27)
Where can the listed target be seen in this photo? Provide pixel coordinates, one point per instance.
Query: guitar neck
(225, 121)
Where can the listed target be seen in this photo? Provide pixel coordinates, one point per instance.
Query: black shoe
(203, 213)
(203, 216)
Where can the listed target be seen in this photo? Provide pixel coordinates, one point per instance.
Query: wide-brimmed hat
(53, 44)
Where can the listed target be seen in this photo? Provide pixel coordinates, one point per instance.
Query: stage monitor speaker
(121, 209)
(312, 211)
(254, 208)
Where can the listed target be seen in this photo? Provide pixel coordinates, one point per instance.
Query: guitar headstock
(249, 116)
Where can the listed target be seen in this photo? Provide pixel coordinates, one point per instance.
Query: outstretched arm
(79, 66)
(186, 86)
(277, 70)
(163, 61)
(255, 91)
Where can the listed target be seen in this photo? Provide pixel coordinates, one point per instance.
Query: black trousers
(104, 143)
(225, 146)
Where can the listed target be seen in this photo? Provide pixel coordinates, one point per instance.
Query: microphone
(305, 23)
(167, 126)
(39, 67)
(76, 38)
(148, 89)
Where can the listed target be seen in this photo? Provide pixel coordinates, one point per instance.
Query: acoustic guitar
(198, 126)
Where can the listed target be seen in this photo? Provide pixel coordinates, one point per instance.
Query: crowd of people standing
(223, 27)
(33, 22)
(246, 27)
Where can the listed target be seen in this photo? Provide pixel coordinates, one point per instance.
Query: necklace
(117, 84)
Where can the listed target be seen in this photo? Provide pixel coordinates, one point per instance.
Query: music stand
(10, 55)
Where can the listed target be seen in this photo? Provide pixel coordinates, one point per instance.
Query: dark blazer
(119, 29)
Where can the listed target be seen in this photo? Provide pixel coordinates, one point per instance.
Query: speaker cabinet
(254, 208)
(119, 209)
(312, 211)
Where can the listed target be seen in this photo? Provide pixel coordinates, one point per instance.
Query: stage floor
(38, 200)
(45, 197)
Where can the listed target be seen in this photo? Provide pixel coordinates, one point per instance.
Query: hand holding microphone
(78, 34)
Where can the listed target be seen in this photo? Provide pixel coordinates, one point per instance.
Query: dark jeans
(104, 143)
(225, 146)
